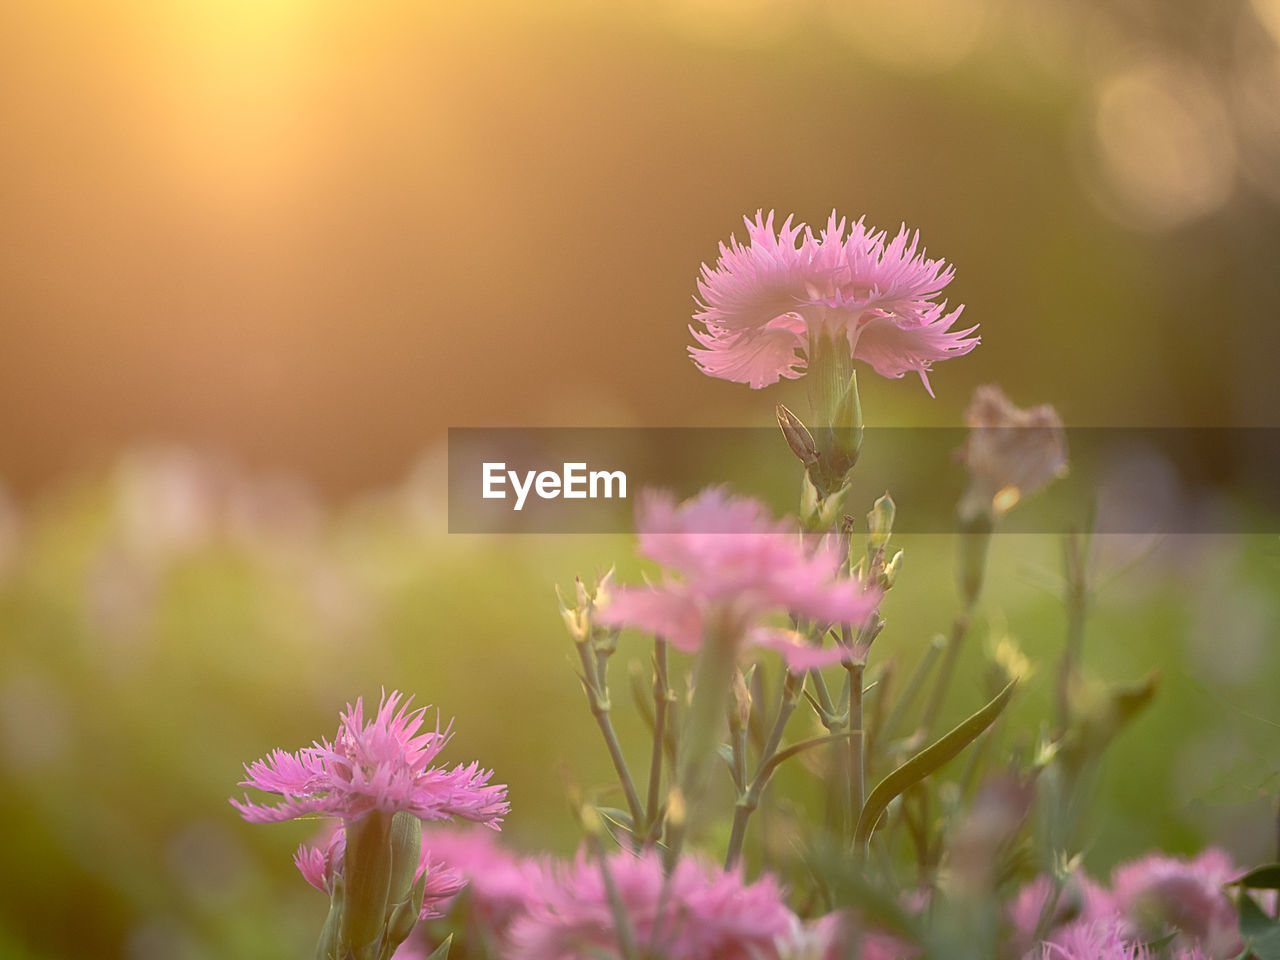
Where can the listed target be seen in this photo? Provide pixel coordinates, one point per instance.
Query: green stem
(713, 675)
(913, 688)
(839, 798)
(661, 701)
(1077, 602)
(598, 697)
(857, 760)
(959, 628)
(621, 922)
(792, 687)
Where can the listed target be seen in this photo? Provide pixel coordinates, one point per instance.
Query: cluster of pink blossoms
(536, 910)
(540, 910)
(766, 303)
(736, 565)
(1148, 898)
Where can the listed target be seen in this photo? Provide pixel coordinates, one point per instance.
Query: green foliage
(928, 760)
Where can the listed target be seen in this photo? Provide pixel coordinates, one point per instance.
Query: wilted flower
(766, 304)
(382, 765)
(1010, 454)
(737, 565)
(697, 913)
(320, 864)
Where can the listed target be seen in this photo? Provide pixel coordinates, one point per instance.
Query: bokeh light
(1163, 144)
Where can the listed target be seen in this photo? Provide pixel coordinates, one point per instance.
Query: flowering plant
(911, 856)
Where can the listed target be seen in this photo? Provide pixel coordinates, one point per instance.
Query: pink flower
(699, 913)
(500, 886)
(1158, 891)
(382, 765)
(766, 304)
(1081, 900)
(320, 864)
(737, 566)
(1092, 941)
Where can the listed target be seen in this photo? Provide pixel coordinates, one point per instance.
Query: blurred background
(257, 255)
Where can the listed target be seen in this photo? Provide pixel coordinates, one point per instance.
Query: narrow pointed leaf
(927, 761)
(442, 952)
(777, 759)
(1261, 878)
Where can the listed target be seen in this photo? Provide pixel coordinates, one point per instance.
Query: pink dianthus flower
(1160, 891)
(766, 303)
(382, 765)
(698, 913)
(1091, 941)
(1081, 900)
(737, 565)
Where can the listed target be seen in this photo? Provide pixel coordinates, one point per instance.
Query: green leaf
(1261, 934)
(927, 761)
(442, 952)
(776, 760)
(1266, 877)
(614, 820)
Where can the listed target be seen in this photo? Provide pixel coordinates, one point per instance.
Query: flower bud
(797, 435)
(891, 570)
(880, 522)
(579, 620)
(846, 430)
(575, 620)
(819, 513)
(406, 854)
(404, 915)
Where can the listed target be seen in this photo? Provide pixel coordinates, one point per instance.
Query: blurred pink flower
(320, 864)
(1091, 941)
(737, 565)
(382, 765)
(766, 303)
(500, 887)
(1158, 891)
(699, 913)
(1081, 899)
